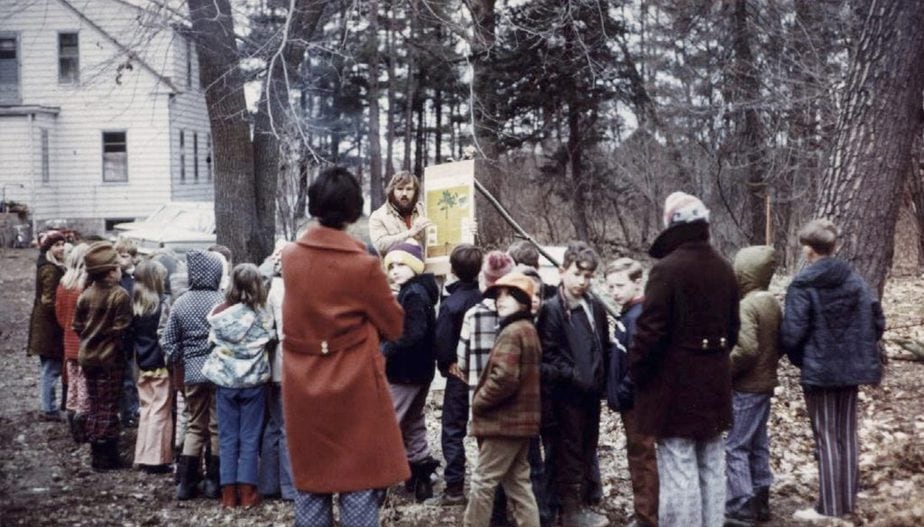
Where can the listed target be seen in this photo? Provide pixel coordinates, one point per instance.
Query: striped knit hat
(408, 253)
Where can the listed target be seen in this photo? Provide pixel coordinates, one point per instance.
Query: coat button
(705, 344)
(324, 349)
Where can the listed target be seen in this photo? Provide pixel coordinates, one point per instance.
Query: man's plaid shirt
(479, 329)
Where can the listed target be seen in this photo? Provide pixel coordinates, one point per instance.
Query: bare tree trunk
(916, 188)
(492, 229)
(376, 187)
(879, 118)
(748, 137)
(235, 193)
(578, 183)
(392, 89)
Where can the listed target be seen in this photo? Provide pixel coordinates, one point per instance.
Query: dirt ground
(45, 479)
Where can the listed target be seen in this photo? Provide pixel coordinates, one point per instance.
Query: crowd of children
(689, 364)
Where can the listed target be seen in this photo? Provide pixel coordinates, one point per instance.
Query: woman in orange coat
(342, 430)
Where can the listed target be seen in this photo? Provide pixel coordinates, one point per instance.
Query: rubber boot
(229, 496)
(97, 456)
(249, 495)
(79, 428)
(422, 470)
(762, 504)
(114, 459)
(188, 469)
(211, 487)
(575, 514)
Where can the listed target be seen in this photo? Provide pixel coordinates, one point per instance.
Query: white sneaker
(809, 515)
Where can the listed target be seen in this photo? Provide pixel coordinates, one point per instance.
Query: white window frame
(62, 57)
(109, 178)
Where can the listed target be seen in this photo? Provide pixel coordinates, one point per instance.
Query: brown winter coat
(689, 324)
(387, 227)
(339, 415)
(45, 336)
(754, 360)
(506, 401)
(103, 314)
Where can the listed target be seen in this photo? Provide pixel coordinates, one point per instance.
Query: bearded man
(401, 217)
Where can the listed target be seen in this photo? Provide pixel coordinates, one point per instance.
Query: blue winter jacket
(832, 325)
(186, 337)
(411, 359)
(462, 297)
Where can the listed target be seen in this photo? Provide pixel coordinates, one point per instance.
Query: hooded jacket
(832, 326)
(678, 357)
(239, 358)
(185, 338)
(412, 359)
(46, 339)
(754, 359)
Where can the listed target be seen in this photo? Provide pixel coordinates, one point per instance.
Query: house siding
(114, 93)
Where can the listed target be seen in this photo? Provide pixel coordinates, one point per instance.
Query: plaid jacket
(507, 401)
(479, 329)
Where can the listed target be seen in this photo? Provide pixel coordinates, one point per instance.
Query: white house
(102, 117)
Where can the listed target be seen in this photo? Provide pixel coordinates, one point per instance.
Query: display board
(449, 200)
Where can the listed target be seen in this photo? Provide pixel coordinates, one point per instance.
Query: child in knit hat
(505, 407)
(410, 361)
(103, 314)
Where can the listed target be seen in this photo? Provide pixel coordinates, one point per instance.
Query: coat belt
(344, 341)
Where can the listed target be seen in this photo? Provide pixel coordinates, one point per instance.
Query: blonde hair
(821, 235)
(126, 245)
(75, 274)
(246, 287)
(149, 287)
(627, 265)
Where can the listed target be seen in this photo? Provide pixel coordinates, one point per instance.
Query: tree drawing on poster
(449, 208)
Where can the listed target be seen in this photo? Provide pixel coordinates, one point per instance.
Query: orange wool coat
(342, 432)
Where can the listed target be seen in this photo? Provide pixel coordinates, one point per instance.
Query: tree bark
(376, 186)
(879, 118)
(745, 92)
(235, 192)
(492, 229)
(392, 89)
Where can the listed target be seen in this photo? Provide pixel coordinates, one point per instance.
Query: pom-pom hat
(495, 265)
(50, 238)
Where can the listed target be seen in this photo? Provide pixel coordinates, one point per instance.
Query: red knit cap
(496, 264)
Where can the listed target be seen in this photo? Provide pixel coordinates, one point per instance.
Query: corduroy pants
(203, 419)
(747, 449)
(833, 414)
(154, 445)
(643, 469)
(502, 461)
(409, 401)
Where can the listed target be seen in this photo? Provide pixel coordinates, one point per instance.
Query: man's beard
(405, 208)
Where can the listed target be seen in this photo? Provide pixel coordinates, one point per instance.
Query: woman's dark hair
(335, 199)
(246, 286)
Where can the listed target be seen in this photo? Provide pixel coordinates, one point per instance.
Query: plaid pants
(104, 390)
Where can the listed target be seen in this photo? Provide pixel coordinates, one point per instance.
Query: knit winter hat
(408, 253)
(519, 285)
(495, 265)
(681, 207)
(101, 257)
(50, 238)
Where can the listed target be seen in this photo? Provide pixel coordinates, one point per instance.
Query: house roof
(128, 52)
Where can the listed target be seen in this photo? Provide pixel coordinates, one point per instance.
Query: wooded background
(588, 112)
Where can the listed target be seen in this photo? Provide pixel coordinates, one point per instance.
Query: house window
(68, 58)
(46, 165)
(196, 156)
(208, 156)
(9, 69)
(189, 67)
(182, 157)
(115, 156)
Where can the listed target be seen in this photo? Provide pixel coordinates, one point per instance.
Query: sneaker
(809, 515)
